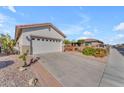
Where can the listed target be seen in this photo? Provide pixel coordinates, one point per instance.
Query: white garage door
(41, 45)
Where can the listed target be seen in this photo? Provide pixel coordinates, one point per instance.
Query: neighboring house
(93, 42)
(76, 46)
(120, 45)
(39, 38)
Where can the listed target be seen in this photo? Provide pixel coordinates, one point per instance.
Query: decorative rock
(22, 69)
(33, 81)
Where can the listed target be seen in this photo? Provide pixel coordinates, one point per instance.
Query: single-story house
(39, 38)
(93, 42)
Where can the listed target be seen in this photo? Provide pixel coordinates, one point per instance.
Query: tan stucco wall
(96, 44)
(39, 32)
(24, 43)
(24, 49)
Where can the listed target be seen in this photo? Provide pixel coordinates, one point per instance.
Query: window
(42, 39)
(88, 44)
(38, 39)
(46, 39)
(33, 38)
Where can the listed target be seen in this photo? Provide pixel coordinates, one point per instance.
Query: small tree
(67, 42)
(7, 43)
(23, 57)
(81, 41)
(73, 42)
(11, 45)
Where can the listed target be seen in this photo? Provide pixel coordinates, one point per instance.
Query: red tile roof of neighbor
(92, 40)
(20, 27)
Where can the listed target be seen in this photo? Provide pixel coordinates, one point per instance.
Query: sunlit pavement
(114, 71)
(72, 70)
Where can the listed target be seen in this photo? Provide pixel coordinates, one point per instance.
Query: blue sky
(103, 23)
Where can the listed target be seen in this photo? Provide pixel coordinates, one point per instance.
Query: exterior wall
(95, 44)
(39, 32)
(25, 40)
(25, 48)
(19, 44)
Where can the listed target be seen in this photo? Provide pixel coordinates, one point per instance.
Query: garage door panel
(39, 46)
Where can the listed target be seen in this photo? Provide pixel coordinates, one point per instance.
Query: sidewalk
(114, 71)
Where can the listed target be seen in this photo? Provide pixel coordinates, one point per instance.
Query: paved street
(114, 71)
(72, 70)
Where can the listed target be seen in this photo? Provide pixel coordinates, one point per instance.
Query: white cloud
(81, 8)
(2, 18)
(22, 14)
(7, 24)
(84, 18)
(1, 24)
(77, 29)
(117, 39)
(96, 30)
(52, 18)
(73, 29)
(120, 35)
(119, 27)
(81, 38)
(12, 8)
(87, 33)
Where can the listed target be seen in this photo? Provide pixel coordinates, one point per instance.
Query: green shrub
(100, 52)
(97, 52)
(89, 51)
(23, 57)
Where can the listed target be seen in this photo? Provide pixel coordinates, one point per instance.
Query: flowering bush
(100, 52)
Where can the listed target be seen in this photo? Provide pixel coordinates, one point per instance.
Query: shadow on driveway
(4, 64)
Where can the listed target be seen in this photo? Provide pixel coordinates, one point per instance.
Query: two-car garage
(45, 45)
(39, 38)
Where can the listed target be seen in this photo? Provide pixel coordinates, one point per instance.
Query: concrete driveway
(72, 70)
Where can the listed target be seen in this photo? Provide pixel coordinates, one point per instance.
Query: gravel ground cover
(10, 76)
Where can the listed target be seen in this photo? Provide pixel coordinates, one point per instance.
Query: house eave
(18, 29)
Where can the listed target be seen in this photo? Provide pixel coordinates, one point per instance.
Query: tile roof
(19, 28)
(92, 40)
